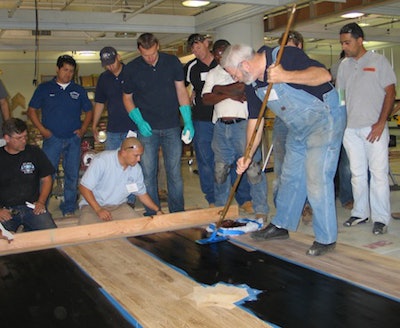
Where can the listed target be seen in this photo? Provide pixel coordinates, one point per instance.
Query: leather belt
(230, 120)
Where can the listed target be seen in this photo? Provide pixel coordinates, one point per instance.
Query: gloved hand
(186, 113)
(144, 127)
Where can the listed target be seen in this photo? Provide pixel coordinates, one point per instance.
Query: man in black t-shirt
(25, 181)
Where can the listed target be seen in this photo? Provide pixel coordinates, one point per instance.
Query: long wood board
(152, 292)
(365, 268)
(43, 239)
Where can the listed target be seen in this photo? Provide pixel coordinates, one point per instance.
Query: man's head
(295, 39)
(237, 61)
(15, 132)
(109, 57)
(198, 44)
(130, 152)
(219, 48)
(351, 39)
(148, 47)
(66, 66)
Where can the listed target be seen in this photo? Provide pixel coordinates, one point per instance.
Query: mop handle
(259, 118)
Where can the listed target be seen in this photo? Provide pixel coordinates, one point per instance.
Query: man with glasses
(62, 102)
(309, 106)
(25, 181)
(366, 82)
(111, 177)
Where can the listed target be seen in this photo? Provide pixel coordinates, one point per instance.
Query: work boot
(318, 249)
(247, 207)
(306, 215)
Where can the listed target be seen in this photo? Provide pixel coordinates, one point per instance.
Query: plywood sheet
(153, 293)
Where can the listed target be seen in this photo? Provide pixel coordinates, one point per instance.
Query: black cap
(193, 38)
(108, 55)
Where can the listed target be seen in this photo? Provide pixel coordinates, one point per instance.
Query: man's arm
(243, 163)
(33, 116)
(312, 76)
(234, 91)
(5, 109)
(127, 99)
(46, 184)
(146, 200)
(387, 107)
(88, 118)
(181, 92)
(102, 213)
(97, 111)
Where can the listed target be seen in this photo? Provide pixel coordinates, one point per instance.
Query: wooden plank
(153, 293)
(42, 239)
(362, 267)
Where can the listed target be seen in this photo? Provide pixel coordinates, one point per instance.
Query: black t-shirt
(195, 74)
(292, 59)
(20, 175)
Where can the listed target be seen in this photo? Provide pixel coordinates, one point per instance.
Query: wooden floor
(153, 293)
(358, 266)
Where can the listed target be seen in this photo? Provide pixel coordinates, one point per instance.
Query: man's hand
(5, 215)
(276, 74)
(46, 133)
(104, 215)
(242, 164)
(376, 132)
(40, 208)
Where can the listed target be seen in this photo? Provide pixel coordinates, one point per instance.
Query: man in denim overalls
(302, 97)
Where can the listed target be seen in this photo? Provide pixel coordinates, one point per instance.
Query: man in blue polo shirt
(309, 106)
(154, 93)
(62, 101)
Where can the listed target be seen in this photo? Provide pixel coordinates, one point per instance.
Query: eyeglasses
(234, 75)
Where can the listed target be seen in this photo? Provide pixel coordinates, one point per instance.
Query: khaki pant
(118, 212)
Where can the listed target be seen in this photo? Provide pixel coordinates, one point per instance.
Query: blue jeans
(170, 142)
(279, 134)
(114, 140)
(25, 216)
(315, 132)
(344, 173)
(205, 157)
(70, 149)
(228, 145)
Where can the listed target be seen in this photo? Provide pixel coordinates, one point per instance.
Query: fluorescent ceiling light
(87, 53)
(363, 24)
(352, 15)
(195, 3)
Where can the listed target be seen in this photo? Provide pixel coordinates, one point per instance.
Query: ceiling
(81, 25)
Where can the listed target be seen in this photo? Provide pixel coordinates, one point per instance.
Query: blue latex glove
(144, 127)
(186, 113)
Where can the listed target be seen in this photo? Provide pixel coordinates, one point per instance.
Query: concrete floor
(358, 236)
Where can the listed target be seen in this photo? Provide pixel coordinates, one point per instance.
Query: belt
(231, 121)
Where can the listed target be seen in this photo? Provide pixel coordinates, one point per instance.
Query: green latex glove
(144, 127)
(188, 129)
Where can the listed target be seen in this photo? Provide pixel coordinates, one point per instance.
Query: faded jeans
(315, 132)
(170, 142)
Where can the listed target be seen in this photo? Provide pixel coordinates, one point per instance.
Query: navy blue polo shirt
(153, 89)
(109, 91)
(195, 74)
(292, 59)
(61, 109)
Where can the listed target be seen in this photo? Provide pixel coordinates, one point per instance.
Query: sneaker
(270, 232)
(69, 214)
(247, 207)
(354, 221)
(379, 228)
(318, 249)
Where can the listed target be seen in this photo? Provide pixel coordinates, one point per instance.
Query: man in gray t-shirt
(366, 84)
(5, 110)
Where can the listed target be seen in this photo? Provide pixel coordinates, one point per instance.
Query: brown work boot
(264, 217)
(247, 207)
(306, 215)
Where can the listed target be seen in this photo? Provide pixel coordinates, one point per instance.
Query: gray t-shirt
(3, 94)
(363, 82)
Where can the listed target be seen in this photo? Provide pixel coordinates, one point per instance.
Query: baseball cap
(108, 55)
(193, 38)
